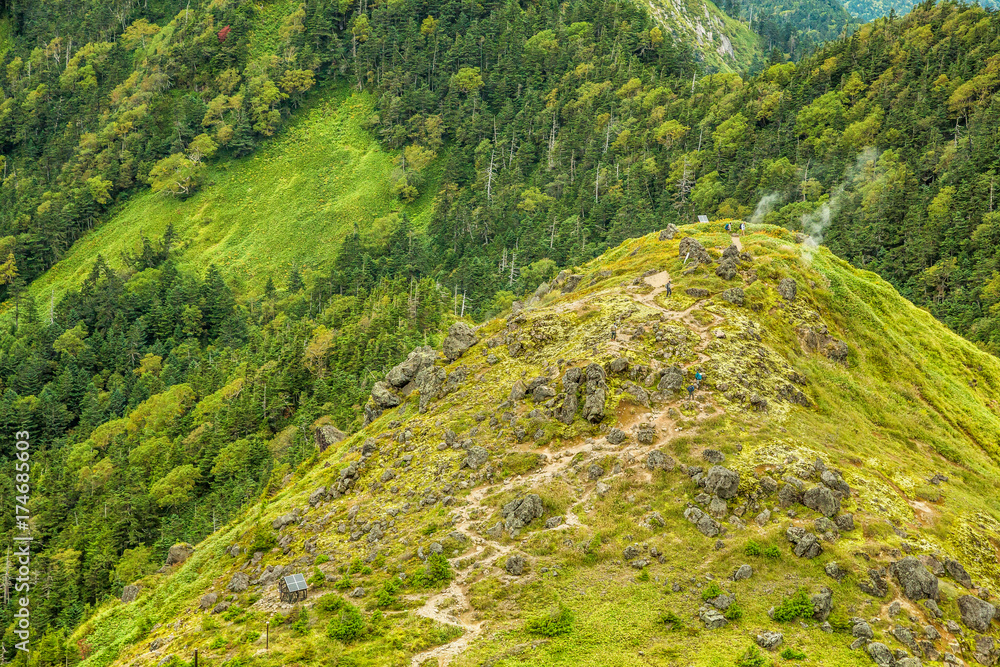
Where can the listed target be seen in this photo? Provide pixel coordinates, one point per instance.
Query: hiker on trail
(743, 228)
(614, 332)
(691, 389)
(669, 288)
(729, 228)
(698, 377)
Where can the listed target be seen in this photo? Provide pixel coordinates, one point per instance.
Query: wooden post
(267, 635)
(196, 658)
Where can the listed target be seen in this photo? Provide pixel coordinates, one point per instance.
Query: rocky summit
(539, 491)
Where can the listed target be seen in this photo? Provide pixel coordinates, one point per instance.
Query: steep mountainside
(724, 44)
(548, 494)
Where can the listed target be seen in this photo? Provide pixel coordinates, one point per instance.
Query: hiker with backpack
(729, 228)
(743, 229)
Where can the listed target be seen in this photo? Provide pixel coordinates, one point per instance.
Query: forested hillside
(166, 393)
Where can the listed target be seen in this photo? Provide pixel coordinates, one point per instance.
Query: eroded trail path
(453, 605)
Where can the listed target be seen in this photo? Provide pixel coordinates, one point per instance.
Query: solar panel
(702, 218)
(295, 583)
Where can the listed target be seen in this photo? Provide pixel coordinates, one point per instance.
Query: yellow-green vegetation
(621, 576)
(5, 30)
(290, 204)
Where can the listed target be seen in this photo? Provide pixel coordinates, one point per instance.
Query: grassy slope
(913, 400)
(288, 204)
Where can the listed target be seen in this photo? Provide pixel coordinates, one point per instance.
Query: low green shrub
(797, 606)
(793, 654)
(712, 591)
(734, 612)
(671, 620)
(559, 622)
(752, 657)
(348, 626)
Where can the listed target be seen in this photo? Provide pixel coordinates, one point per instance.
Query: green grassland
(911, 400)
(287, 205)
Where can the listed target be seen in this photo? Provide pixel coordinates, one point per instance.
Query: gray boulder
(917, 582)
(616, 436)
(668, 233)
(822, 604)
(788, 289)
(713, 456)
(239, 583)
(519, 512)
(722, 482)
(734, 295)
(769, 640)
(862, 630)
(130, 593)
(416, 361)
(476, 457)
(327, 435)
(712, 618)
(821, 499)
(977, 614)
(672, 380)
(657, 460)
(383, 396)
(744, 572)
(515, 565)
(958, 573)
(208, 600)
(703, 522)
(179, 553)
(460, 338)
(880, 654)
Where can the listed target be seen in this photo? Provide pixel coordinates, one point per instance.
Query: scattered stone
(515, 565)
(519, 512)
(571, 283)
(806, 544)
(383, 396)
(845, 522)
(705, 524)
(358, 592)
(460, 338)
(834, 571)
(933, 608)
(327, 435)
(722, 482)
(712, 618)
(554, 522)
(595, 472)
(788, 289)
(697, 292)
(734, 295)
(645, 433)
(656, 519)
(672, 380)
(769, 640)
(668, 233)
(713, 456)
(208, 600)
(763, 518)
(179, 553)
(977, 614)
(657, 460)
(691, 250)
(822, 604)
(917, 582)
(130, 593)
(862, 630)
(876, 586)
(616, 436)
(958, 573)
(821, 499)
(881, 654)
(239, 583)
(475, 458)
(744, 572)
